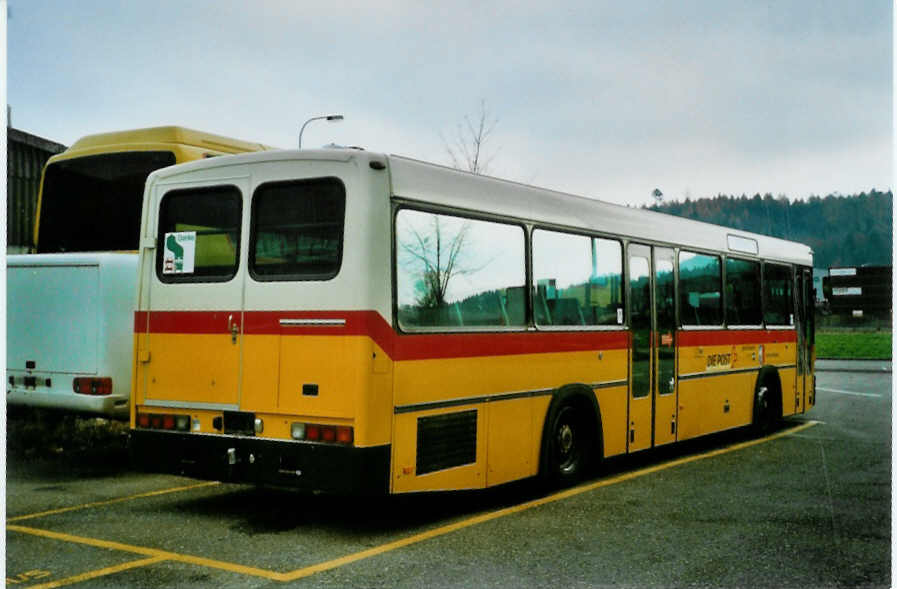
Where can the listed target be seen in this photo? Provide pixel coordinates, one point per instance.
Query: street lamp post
(331, 118)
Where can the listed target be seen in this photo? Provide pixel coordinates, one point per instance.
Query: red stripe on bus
(371, 324)
(193, 322)
(735, 337)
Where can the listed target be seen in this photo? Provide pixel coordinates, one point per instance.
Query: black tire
(569, 444)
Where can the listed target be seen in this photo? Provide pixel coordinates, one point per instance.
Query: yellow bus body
(275, 358)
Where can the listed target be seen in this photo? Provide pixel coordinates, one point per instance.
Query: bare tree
(468, 149)
(439, 255)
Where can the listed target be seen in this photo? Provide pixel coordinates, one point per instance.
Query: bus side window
(743, 301)
(578, 279)
(458, 272)
(779, 304)
(700, 278)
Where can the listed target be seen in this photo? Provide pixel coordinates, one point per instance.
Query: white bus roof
(431, 183)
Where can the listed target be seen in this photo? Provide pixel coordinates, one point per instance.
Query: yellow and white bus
(70, 306)
(346, 321)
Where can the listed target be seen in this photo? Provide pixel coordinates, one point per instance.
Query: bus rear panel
(258, 299)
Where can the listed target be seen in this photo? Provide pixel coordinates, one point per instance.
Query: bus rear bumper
(239, 459)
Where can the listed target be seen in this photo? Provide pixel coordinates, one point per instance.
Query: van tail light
(92, 386)
(329, 434)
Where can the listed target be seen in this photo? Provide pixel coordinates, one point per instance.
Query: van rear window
(297, 230)
(199, 235)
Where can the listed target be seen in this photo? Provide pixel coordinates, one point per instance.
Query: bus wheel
(570, 443)
(764, 416)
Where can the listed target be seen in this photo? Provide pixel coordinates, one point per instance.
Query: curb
(866, 370)
(853, 359)
(884, 368)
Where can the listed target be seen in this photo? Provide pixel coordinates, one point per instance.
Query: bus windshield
(93, 203)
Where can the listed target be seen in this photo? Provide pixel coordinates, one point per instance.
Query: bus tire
(767, 401)
(570, 440)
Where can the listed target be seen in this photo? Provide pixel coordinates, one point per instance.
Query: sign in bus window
(700, 277)
(199, 235)
(179, 253)
(297, 230)
(577, 279)
(458, 272)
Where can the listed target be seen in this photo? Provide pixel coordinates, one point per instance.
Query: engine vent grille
(445, 441)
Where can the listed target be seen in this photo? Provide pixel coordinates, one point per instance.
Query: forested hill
(842, 230)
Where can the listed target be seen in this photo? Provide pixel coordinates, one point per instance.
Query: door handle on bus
(233, 328)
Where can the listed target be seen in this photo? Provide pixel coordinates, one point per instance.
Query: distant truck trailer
(862, 291)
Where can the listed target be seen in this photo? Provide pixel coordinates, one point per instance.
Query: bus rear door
(195, 316)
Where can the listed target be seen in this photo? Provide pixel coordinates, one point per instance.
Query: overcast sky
(601, 98)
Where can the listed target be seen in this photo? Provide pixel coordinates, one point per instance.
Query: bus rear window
(297, 230)
(199, 235)
(93, 204)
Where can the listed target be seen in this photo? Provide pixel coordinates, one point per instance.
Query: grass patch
(847, 345)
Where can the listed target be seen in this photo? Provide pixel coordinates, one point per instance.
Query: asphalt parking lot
(808, 506)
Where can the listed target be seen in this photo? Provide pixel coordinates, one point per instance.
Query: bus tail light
(344, 435)
(92, 386)
(330, 434)
(164, 421)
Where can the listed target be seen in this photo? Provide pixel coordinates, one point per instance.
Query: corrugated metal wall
(26, 155)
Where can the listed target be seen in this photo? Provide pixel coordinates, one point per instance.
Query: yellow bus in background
(346, 321)
(69, 308)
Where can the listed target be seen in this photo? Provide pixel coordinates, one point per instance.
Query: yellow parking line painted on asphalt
(440, 531)
(161, 554)
(19, 518)
(436, 532)
(134, 564)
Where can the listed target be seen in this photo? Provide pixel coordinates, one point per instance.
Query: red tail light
(180, 422)
(328, 433)
(313, 432)
(344, 435)
(92, 386)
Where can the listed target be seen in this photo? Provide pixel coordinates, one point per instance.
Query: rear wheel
(570, 445)
(764, 413)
